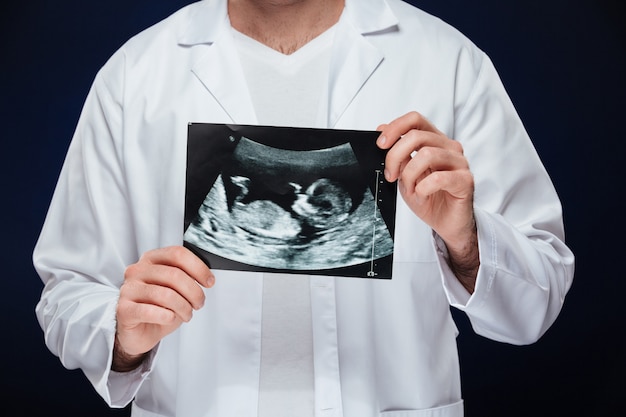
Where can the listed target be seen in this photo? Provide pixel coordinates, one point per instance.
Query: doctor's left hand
(435, 181)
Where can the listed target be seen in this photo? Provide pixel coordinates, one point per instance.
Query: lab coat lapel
(353, 62)
(220, 72)
(216, 62)
(354, 58)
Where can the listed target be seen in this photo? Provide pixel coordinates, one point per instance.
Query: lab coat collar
(210, 17)
(205, 21)
(370, 16)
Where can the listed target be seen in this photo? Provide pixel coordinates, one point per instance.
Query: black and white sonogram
(296, 200)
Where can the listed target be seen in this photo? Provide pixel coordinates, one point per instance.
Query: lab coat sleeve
(525, 267)
(87, 241)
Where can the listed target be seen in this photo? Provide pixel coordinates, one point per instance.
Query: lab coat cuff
(123, 386)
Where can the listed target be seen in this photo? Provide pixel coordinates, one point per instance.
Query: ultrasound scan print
(289, 200)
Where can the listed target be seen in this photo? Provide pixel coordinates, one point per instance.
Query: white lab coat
(381, 347)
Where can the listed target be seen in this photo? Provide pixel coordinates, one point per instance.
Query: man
(479, 223)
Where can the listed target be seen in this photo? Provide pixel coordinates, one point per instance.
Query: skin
(284, 25)
(435, 181)
(159, 293)
(165, 286)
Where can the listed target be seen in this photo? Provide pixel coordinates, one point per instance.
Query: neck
(284, 25)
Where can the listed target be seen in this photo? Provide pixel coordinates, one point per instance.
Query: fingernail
(381, 140)
(387, 175)
(210, 281)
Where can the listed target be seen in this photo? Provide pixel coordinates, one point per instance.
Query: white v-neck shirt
(287, 90)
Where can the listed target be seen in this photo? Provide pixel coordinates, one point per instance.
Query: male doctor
(479, 224)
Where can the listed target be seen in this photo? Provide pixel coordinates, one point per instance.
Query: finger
(171, 277)
(406, 148)
(182, 258)
(392, 132)
(429, 159)
(428, 166)
(459, 184)
(142, 293)
(131, 314)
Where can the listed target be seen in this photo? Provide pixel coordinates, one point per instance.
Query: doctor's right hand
(159, 293)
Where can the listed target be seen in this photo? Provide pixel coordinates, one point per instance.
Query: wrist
(123, 361)
(463, 259)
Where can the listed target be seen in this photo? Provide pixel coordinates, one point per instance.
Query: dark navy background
(563, 65)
